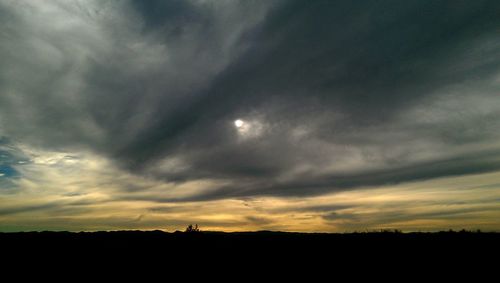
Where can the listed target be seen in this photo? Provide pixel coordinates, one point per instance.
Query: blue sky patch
(10, 158)
(8, 171)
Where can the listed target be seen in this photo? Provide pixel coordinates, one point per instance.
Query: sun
(239, 123)
(248, 128)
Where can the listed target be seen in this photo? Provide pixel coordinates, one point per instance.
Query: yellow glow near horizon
(440, 204)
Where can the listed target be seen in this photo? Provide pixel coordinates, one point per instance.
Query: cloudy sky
(324, 115)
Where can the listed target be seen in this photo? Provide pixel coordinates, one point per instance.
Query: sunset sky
(291, 115)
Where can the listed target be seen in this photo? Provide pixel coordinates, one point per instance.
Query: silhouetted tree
(192, 229)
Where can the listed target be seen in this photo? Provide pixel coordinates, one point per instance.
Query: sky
(290, 115)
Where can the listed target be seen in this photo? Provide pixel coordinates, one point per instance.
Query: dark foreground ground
(264, 249)
(250, 257)
(251, 242)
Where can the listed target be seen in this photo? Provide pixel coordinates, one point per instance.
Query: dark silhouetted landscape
(382, 242)
(199, 253)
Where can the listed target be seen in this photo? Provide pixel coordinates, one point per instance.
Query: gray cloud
(26, 209)
(334, 95)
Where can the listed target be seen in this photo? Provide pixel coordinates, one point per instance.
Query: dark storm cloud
(313, 184)
(336, 94)
(171, 16)
(369, 58)
(366, 61)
